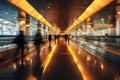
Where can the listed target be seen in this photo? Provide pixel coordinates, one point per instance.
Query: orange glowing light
(32, 78)
(102, 66)
(47, 60)
(95, 6)
(14, 66)
(28, 59)
(81, 68)
(31, 11)
(88, 58)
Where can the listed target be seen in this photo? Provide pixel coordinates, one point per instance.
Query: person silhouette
(38, 40)
(55, 38)
(20, 42)
(66, 37)
(49, 39)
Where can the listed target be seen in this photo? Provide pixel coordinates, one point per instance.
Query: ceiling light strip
(95, 6)
(25, 6)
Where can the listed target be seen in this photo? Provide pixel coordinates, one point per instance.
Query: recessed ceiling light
(0, 19)
(14, 17)
(118, 12)
(6, 13)
(6, 22)
(48, 7)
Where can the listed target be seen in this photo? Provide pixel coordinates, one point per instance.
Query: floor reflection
(21, 73)
(37, 68)
(97, 67)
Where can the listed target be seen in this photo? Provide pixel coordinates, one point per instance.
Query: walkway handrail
(8, 39)
(112, 39)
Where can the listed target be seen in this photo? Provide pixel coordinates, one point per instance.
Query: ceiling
(61, 13)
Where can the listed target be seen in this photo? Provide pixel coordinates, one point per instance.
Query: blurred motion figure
(38, 40)
(20, 41)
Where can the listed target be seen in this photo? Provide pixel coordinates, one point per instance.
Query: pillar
(90, 27)
(84, 28)
(76, 33)
(22, 20)
(27, 25)
(80, 30)
(47, 32)
(44, 29)
(39, 26)
(111, 31)
(118, 18)
(111, 25)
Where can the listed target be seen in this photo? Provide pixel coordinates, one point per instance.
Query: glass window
(8, 18)
(33, 26)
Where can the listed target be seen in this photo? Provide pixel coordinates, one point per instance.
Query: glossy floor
(60, 61)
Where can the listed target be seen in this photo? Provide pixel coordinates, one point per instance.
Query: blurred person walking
(49, 39)
(38, 40)
(20, 41)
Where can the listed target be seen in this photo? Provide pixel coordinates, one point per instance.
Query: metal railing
(8, 48)
(108, 41)
(6, 41)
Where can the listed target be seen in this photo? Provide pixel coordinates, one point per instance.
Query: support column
(27, 25)
(111, 25)
(84, 28)
(118, 18)
(39, 28)
(118, 28)
(76, 33)
(112, 31)
(80, 30)
(44, 29)
(90, 27)
(22, 20)
(47, 32)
